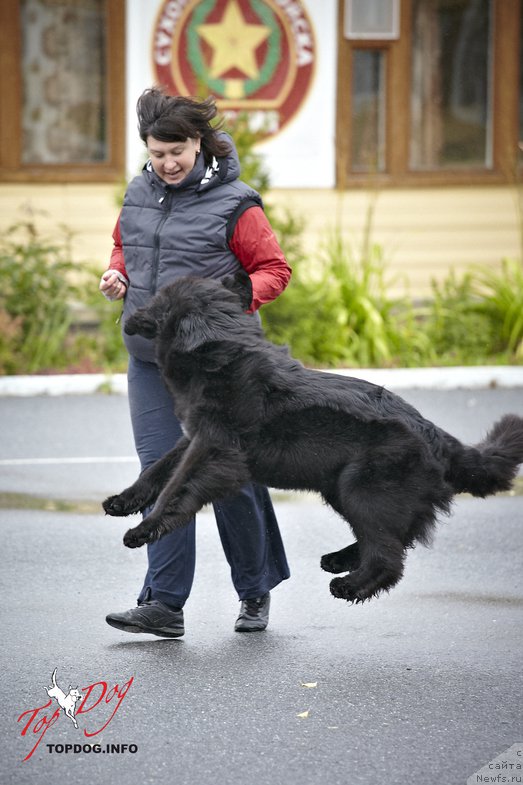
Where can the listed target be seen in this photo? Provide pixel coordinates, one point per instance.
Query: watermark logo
(99, 700)
(505, 768)
(66, 702)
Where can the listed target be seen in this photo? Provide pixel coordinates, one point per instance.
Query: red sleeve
(117, 261)
(255, 245)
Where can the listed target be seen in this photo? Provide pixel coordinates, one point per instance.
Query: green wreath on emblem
(195, 55)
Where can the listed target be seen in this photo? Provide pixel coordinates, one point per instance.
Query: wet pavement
(420, 686)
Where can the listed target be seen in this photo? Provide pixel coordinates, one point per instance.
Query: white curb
(62, 384)
(465, 377)
(474, 377)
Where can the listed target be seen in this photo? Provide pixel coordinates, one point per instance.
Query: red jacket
(255, 246)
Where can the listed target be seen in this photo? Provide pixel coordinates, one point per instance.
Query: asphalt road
(422, 686)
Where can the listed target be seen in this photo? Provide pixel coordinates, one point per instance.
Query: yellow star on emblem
(234, 42)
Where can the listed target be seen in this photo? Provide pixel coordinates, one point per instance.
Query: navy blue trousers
(247, 524)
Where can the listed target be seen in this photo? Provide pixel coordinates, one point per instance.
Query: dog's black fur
(252, 412)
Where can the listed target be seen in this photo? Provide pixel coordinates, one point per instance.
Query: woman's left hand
(111, 286)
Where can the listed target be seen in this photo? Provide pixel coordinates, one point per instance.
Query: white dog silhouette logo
(66, 701)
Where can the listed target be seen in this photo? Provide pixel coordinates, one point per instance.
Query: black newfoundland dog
(250, 412)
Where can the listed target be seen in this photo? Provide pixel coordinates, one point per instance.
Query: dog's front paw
(135, 538)
(120, 505)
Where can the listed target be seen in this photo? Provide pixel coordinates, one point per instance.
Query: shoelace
(253, 606)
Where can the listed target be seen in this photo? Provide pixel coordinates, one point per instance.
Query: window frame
(11, 167)
(504, 102)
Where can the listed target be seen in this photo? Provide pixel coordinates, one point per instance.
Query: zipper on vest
(166, 204)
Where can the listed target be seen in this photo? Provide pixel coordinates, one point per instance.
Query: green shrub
(10, 339)
(36, 288)
(456, 326)
(501, 303)
(338, 312)
(102, 344)
(41, 289)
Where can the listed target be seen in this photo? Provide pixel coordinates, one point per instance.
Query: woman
(189, 214)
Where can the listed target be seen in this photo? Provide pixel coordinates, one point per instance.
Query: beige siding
(424, 232)
(89, 211)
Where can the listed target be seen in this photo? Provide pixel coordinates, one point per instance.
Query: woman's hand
(111, 285)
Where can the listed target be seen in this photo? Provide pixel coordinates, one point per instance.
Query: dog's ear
(197, 329)
(241, 285)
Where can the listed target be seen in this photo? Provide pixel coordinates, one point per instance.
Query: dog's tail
(53, 679)
(490, 466)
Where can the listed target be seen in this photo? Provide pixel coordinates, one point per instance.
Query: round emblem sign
(252, 55)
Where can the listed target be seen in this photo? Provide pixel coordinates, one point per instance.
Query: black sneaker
(150, 616)
(254, 614)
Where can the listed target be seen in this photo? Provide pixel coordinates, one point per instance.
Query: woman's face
(172, 161)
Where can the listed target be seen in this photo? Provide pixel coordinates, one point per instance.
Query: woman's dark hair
(176, 118)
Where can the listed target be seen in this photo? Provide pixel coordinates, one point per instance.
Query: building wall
(423, 232)
(302, 154)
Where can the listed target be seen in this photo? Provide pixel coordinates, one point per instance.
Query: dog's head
(75, 694)
(194, 311)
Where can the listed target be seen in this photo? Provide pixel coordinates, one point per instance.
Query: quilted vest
(173, 230)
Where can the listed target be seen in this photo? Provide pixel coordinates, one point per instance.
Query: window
(441, 104)
(368, 117)
(62, 81)
(450, 101)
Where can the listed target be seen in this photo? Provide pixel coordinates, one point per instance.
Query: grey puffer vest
(173, 230)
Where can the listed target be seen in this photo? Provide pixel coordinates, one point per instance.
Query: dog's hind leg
(345, 560)
(378, 519)
(390, 495)
(149, 484)
(380, 569)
